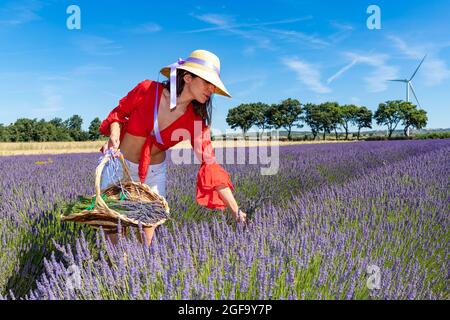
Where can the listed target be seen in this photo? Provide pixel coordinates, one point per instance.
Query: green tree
(312, 118)
(58, 123)
(61, 133)
(4, 137)
(285, 115)
(389, 114)
(363, 119)
(94, 134)
(327, 117)
(412, 117)
(83, 136)
(73, 124)
(42, 131)
(54, 133)
(262, 116)
(243, 116)
(348, 116)
(23, 130)
(335, 113)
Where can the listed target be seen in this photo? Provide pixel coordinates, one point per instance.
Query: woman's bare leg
(114, 236)
(148, 232)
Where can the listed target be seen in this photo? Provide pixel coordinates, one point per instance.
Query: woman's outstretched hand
(241, 217)
(113, 145)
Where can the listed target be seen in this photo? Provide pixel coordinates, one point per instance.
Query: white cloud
(434, 69)
(254, 86)
(147, 28)
(53, 78)
(77, 72)
(226, 22)
(409, 51)
(247, 84)
(306, 73)
(341, 26)
(51, 102)
(295, 36)
(344, 31)
(355, 100)
(99, 46)
(259, 37)
(222, 21)
(263, 35)
(111, 94)
(29, 53)
(247, 77)
(342, 71)
(313, 40)
(90, 69)
(376, 80)
(14, 14)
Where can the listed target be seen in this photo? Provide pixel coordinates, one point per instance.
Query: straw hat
(202, 63)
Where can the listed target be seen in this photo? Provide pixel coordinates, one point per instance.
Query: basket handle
(126, 170)
(98, 174)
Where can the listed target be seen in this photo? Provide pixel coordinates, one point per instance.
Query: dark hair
(204, 110)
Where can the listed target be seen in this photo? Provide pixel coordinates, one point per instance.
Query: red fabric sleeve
(126, 106)
(210, 175)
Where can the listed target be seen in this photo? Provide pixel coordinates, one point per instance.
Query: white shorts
(156, 176)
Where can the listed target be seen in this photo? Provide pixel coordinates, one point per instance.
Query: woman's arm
(115, 128)
(126, 107)
(227, 197)
(114, 139)
(214, 186)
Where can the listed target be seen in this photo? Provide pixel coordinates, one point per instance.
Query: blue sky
(313, 51)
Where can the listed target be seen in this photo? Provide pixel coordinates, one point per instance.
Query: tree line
(325, 117)
(27, 130)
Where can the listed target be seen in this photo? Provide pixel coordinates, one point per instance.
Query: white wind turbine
(410, 86)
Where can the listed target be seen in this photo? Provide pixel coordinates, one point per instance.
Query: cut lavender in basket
(144, 212)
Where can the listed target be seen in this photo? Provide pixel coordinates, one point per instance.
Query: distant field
(26, 148)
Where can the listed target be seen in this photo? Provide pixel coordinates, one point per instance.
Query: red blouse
(136, 112)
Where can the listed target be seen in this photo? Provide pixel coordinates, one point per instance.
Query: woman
(149, 119)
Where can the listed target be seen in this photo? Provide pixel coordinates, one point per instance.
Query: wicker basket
(103, 216)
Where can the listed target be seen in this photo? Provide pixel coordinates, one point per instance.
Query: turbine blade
(399, 80)
(412, 89)
(417, 68)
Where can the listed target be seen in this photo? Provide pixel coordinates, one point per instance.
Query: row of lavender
(333, 211)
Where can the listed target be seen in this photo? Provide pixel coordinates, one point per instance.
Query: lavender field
(332, 212)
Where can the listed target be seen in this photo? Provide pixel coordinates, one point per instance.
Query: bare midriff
(131, 147)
